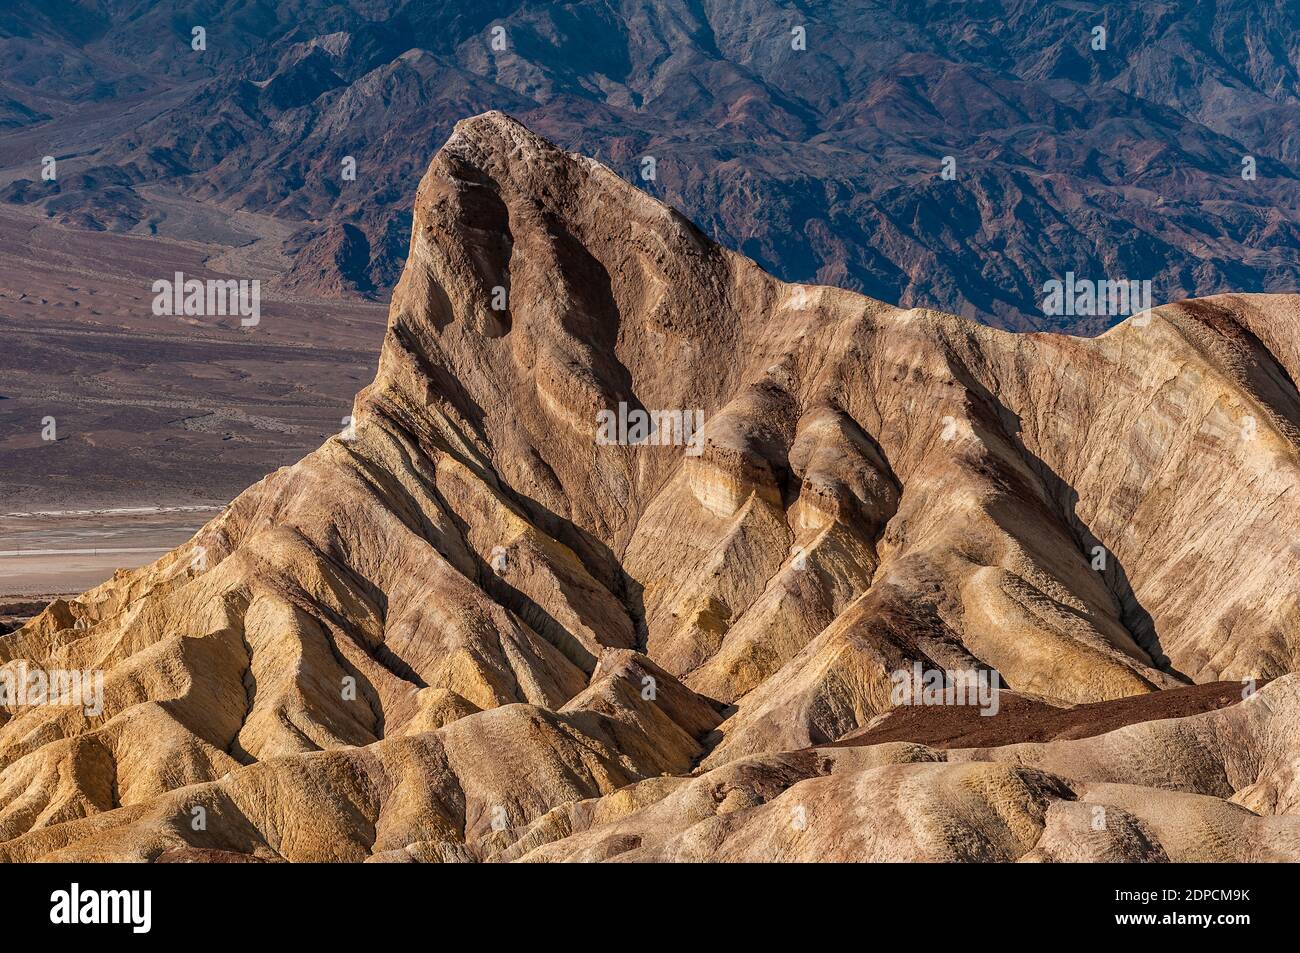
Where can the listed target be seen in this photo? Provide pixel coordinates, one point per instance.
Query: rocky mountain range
(499, 618)
(814, 138)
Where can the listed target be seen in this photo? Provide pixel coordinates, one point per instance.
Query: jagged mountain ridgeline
(628, 541)
(934, 154)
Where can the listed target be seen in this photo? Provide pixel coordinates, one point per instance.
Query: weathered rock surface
(468, 629)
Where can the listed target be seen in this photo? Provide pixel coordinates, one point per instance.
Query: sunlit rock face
(476, 626)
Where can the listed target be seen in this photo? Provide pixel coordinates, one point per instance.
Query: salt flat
(64, 552)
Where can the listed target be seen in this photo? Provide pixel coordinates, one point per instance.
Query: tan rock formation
(472, 630)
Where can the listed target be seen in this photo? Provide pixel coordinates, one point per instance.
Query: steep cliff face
(477, 622)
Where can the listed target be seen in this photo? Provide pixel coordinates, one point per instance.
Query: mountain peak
(624, 520)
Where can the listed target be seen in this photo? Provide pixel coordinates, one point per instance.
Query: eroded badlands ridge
(471, 631)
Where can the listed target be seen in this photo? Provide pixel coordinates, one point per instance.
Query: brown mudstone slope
(471, 630)
(1019, 718)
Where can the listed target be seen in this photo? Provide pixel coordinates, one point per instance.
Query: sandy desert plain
(159, 420)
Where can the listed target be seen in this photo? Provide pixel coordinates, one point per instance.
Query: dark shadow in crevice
(1132, 614)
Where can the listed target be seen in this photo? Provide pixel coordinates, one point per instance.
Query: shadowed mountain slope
(819, 154)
